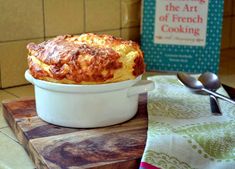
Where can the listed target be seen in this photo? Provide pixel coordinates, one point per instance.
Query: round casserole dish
(87, 106)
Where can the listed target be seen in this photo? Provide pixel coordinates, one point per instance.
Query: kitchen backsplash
(27, 21)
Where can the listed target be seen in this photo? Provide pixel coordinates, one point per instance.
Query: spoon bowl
(211, 82)
(196, 85)
(190, 81)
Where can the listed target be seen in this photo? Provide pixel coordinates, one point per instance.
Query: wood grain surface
(119, 146)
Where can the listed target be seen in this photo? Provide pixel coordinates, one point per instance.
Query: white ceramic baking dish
(87, 106)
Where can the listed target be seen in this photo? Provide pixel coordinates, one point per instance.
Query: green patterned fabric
(182, 132)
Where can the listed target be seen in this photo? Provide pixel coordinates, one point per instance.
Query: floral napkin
(182, 132)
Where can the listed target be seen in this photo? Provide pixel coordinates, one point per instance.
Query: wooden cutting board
(119, 146)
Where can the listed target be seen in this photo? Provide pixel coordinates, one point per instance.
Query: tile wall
(27, 21)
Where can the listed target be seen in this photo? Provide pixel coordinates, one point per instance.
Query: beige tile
(226, 33)
(131, 34)
(3, 122)
(51, 37)
(228, 79)
(9, 133)
(148, 74)
(21, 19)
(102, 15)
(228, 7)
(4, 95)
(130, 13)
(233, 32)
(63, 17)
(21, 91)
(115, 33)
(13, 155)
(13, 62)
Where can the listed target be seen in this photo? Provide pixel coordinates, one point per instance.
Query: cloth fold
(183, 133)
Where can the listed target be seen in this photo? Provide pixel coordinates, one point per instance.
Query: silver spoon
(196, 85)
(211, 81)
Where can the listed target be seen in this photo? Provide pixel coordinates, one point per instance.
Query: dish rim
(81, 87)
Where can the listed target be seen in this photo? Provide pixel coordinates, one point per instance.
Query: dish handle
(28, 77)
(142, 86)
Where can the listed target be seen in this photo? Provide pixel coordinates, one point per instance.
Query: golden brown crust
(85, 59)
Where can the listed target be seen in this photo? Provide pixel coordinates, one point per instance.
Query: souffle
(85, 59)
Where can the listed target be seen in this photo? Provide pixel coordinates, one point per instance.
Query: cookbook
(182, 35)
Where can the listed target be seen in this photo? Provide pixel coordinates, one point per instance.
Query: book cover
(182, 35)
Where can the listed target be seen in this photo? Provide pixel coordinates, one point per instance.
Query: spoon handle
(215, 109)
(217, 95)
